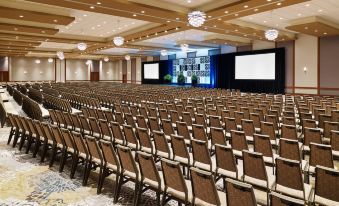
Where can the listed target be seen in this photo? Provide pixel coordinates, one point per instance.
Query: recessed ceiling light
(98, 3)
(93, 28)
(281, 18)
(256, 9)
(315, 31)
(134, 15)
(299, 14)
(142, 12)
(236, 14)
(92, 7)
(84, 15)
(55, 20)
(278, 4)
(176, 28)
(189, 1)
(226, 12)
(307, 5)
(219, 19)
(265, 21)
(209, 16)
(325, 33)
(165, 31)
(177, 19)
(306, 27)
(320, 10)
(236, 30)
(268, 0)
(16, 29)
(98, 25)
(21, 16)
(246, 6)
(168, 21)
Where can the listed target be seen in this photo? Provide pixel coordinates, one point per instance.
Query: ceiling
(42, 27)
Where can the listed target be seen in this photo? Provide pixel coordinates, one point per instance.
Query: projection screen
(255, 67)
(151, 71)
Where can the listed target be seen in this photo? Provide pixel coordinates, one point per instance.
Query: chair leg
(87, 173)
(63, 159)
(29, 143)
(36, 147)
(163, 201)
(22, 141)
(118, 188)
(158, 197)
(101, 175)
(16, 138)
(44, 152)
(137, 193)
(74, 165)
(10, 136)
(54, 151)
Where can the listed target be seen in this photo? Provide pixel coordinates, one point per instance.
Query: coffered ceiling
(42, 27)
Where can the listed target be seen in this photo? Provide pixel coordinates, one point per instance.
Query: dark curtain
(165, 67)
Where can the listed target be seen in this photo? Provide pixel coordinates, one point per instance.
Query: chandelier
(37, 61)
(50, 60)
(118, 40)
(128, 57)
(163, 52)
(60, 55)
(196, 18)
(82, 46)
(184, 47)
(106, 59)
(271, 34)
(88, 62)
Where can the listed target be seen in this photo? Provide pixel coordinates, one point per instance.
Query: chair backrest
(203, 181)
(230, 124)
(129, 119)
(262, 144)
(53, 116)
(248, 127)
(100, 114)
(288, 176)
(80, 143)
(161, 144)
(174, 116)
(68, 137)
(310, 123)
(238, 140)
(201, 155)
(326, 186)
(183, 130)
(48, 132)
(289, 149)
(143, 111)
(57, 135)
(256, 119)
(167, 127)
(323, 118)
(130, 135)
(217, 136)
(109, 115)
(186, 117)
(239, 193)
(321, 154)
(105, 129)
(277, 199)
(238, 117)
(84, 123)
(179, 147)
(116, 130)
(199, 132)
(328, 127)
(148, 168)
(94, 126)
(312, 135)
(267, 128)
(141, 121)
(289, 132)
(173, 178)
(200, 119)
(154, 124)
(76, 121)
(93, 148)
(215, 121)
(109, 154)
(254, 169)
(335, 115)
(119, 118)
(225, 161)
(335, 140)
(127, 161)
(145, 140)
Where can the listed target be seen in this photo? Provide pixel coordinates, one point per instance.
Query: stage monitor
(255, 67)
(151, 71)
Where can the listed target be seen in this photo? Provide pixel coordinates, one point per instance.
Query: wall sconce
(305, 69)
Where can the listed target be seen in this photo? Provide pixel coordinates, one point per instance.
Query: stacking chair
(289, 180)
(262, 144)
(248, 128)
(229, 126)
(118, 137)
(217, 136)
(201, 155)
(146, 144)
(111, 164)
(238, 117)
(61, 144)
(105, 129)
(85, 127)
(14, 128)
(180, 151)
(328, 127)
(141, 121)
(326, 186)
(186, 117)
(150, 177)
(95, 160)
(226, 166)
(200, 120)
(310, 135)
(256, 174)
(176, 187)
(101, 114)
(335, 144)
(289, 132)
(129, 172)
(321, 155)
(238, 142)
(130, 120)
(53, 117)
(277, 199)
(267, 128)
(239, 193)
(50, 141)
(81, 153)
(70, 147)
(162, 148)
(76, 123)
(203, 181)
(109, 115)
(291, 149)
(95, 128)
(118, 117)
(184, 131)
(199, 132)
(167, 128)
(154, 124)
(68, 120)
(131, 139)
(214, 121)
(257, 119)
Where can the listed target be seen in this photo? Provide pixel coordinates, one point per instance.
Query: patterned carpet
(24, 181)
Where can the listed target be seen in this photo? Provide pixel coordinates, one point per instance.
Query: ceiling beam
(27, 29)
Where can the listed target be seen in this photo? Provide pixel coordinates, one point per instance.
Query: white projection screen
(255, 67)
(151, 71)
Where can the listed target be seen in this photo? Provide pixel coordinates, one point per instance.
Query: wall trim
(318, 69)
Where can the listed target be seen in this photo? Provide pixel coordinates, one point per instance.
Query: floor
(24, 181)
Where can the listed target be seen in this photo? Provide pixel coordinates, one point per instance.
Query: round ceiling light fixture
(106, 59)
(184, 47)
(50, 60)
(163, 52)
(196, 18)
(37, 61)
(127, 57)
(271, 34)
(60, 55)
(118, 40)
(82, 46)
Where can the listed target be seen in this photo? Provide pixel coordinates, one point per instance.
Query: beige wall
(258, 45)
(110, 71)
(77, 70)
(306, 56)
(138, 70)
(26, 69)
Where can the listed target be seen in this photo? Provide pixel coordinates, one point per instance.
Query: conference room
(169, 102)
